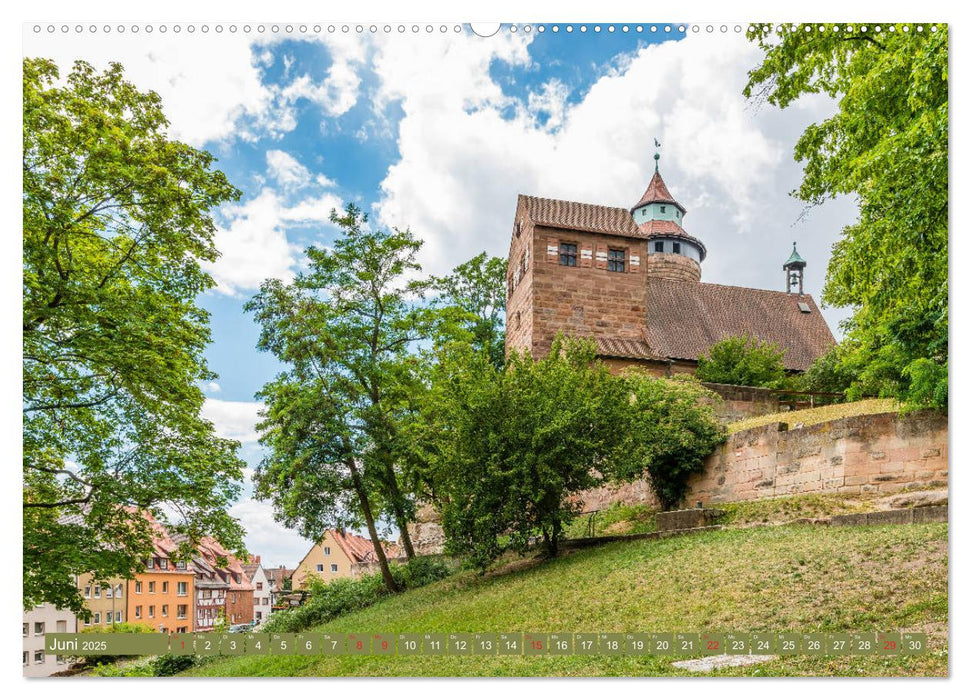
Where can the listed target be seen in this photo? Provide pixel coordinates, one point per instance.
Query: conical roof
(795, 259)
(657, 191)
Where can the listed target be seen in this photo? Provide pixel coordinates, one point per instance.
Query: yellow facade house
(338, 555)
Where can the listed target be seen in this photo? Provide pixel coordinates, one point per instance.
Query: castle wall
(671, 266)
(586, 300)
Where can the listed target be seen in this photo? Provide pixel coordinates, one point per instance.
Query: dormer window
(163, 563)
(150, 564)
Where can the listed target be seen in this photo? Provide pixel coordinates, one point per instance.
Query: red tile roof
(559, 213)
(656, 191)
(624, 347)
(684, 319)
(360, 549)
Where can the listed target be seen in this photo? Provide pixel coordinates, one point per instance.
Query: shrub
(340, 597)
(744, 361)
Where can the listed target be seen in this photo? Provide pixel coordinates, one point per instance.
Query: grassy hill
(799, 578)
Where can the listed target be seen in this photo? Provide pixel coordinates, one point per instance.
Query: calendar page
(447, 349)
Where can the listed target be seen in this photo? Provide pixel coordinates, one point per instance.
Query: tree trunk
(372, 530)
(399, 517)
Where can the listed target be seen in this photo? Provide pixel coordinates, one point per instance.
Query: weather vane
(657, 153)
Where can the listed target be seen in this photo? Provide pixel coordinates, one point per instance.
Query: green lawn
(799, 578)
(822, 414)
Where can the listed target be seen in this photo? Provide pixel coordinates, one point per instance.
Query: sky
(439, 132)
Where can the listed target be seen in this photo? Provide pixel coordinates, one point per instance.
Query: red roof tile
(669, 229)
(360, 549)
(559, 213)
(684, 319)
(656, 191)
(624, 347)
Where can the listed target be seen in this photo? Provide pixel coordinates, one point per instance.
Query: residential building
(162, 595)
(280, 579)
(107, 601)
(630, 279)
(338, 555)
(262, 595)
(39, 621)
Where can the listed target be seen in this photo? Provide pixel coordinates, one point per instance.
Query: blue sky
(439, 132)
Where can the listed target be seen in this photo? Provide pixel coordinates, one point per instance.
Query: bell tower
(794, 268)
(671, 252)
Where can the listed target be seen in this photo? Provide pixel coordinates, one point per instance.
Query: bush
(169, 664)
(743, 361)
(340, 597)
(828, 373)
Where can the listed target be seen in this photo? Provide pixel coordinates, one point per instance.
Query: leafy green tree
(115, 225)
(505, 448)
(671, 430)
(743, 361)
(477, 287)
(332, 422)
(887, 144)
(828, 373)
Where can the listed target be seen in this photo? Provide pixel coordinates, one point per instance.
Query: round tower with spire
(671, 252)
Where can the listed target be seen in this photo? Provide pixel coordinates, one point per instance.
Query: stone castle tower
(631, 280)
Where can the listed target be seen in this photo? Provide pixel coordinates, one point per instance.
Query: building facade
(338, 555)
(262, 594)
(162, 596)
(39, 621)
(630, 279)
(107, 601)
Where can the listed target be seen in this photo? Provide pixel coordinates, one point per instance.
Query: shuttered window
(568, 254)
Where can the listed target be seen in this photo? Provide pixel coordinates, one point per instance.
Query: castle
(631, 280)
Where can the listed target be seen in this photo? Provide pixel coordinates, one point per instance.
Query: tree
(332, 422)
(671, 430)
(504, 448)
(477, 288)
(828, 373)
(888, 145)
(116, 223)
(743, 361)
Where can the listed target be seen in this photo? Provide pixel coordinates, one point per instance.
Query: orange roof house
(339, 555)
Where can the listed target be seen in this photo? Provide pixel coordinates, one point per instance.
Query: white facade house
(38, 622)
(262, 592)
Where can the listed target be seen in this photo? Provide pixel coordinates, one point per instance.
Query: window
(151, 611)
(117, 615)
(109, 592)
(568, 254)
(97, 618)
(232, 597)
(38, 628)
(163, 563)
(138, 586)
(234, 617)
(165, 610)
(97, 591)
(61, 626)
(181, 611)
(87, 591)
(38, 657)
(663, 208)
(118, 591)
(151, 586)
(150, 564)
(266, 601)
(259, 585)
(165, 586)
(182, 588)
(658, 246)
(320, 567)
(26, 657)
(644, 211)
(616, 260)
(138, 612)
(26, 628)
(327, 551)
(333, 568)
(676, 247)
(180, 565)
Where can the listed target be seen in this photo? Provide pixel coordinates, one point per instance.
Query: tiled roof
(360, 549)
(684, 319)
(656, 191)
(624, 347)
(559, 213)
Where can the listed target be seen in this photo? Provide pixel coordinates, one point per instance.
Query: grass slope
(798, 578)
(822, 414)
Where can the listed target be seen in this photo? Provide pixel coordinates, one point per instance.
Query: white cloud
(254, 246)
(286, 169)
(276, 545)
(463, 160)
(209, 84)
(234, 420)
(213, 387)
